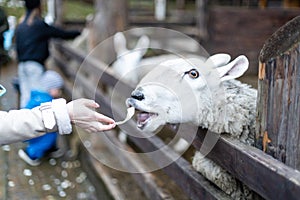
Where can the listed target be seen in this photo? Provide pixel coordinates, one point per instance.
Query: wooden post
(180, 4)
(59, 12)
(110, 17)
(291, 3)
(278, 119)
(201, 19)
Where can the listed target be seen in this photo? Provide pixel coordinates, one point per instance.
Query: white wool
(238, 105)
(220, 177)
(216, 174)
(240, 109)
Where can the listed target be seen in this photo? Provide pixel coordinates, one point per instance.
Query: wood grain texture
(268, 177)
(278, 103)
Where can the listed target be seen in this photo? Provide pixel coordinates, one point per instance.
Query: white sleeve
(19, 125)
(60, 111)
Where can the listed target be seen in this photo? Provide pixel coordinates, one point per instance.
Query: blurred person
(9, 34)
(3, 27)
(32, 43)
(51, 84)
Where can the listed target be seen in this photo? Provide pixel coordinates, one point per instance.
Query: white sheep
(127, 61)
(206, 94)
(160, 106)
(131, 66)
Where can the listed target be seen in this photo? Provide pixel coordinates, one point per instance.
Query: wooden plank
(279, 93)
(105, 189)
(93, 67)
(194, 179)
(144, 180)
(256, 169)
(4, 171)
(180, 171)
(202, 18)
(131, 162)
(120, 185)
(259, 171)
(250, 27)
(253, 167)
(179, 18)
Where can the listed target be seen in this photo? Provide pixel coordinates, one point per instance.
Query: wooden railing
(268, 177)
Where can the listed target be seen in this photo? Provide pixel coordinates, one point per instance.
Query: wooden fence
(238, 30)
(279, 95)
(265, 175)
(232, 29)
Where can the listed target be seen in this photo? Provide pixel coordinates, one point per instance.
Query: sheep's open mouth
(143, 118)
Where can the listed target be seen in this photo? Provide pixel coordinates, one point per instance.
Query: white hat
(51, 80)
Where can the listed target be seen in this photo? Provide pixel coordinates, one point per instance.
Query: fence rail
(266, 176)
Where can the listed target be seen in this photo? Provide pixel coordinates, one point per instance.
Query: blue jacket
(39, 146)
(37, 97)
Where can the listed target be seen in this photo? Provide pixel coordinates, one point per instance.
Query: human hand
(82, 114)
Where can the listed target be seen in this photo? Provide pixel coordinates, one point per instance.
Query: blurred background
(230, 26)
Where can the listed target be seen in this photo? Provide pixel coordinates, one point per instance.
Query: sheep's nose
(138, 95)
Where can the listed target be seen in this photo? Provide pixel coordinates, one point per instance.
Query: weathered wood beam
(191, 182)
(202, 18)
(279, 94)
(265, 175)
(180, 171)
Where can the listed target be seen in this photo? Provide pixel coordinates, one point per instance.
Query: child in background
(51, 84)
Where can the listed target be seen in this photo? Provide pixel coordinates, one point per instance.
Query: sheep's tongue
(142, 117)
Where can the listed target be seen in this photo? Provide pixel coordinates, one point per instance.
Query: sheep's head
(179, 90)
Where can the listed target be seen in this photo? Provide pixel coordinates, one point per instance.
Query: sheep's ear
(218, 60)
(234, 69)
(120, 43)
(142, 44)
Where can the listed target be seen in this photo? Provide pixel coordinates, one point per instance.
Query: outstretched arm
(20, 125)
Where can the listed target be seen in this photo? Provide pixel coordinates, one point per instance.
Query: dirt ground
(61, 178)
(53, 179)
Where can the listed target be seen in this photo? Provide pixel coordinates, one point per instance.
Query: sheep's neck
(232, 114)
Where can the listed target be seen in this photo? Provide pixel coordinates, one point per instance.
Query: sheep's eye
(193, 73)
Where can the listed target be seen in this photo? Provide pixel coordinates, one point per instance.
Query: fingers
(98, 127)
(91, 120)
(91, 130)
(107, 127)
(102, 118)
(90, 103)
(94, 126)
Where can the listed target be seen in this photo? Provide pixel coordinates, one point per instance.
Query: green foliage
(72, 9)
(15, 11)
(77, 10)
